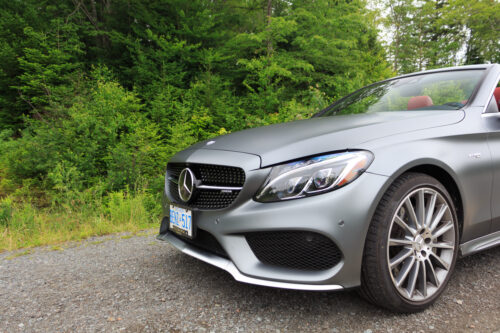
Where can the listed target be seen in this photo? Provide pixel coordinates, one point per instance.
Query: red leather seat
(417, 102)
(496, 93)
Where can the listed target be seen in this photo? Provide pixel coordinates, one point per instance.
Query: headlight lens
(313, 176)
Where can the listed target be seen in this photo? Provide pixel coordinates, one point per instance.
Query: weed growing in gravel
(18, 254)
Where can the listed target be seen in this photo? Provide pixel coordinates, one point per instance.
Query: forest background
(96, 95)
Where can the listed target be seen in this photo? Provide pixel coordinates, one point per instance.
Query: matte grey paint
(450, 140)
(287, 141)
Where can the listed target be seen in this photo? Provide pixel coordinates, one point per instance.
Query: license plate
(181, 221)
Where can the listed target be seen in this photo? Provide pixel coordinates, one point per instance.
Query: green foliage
(22, 224)
(446, 92)
(438, 33)
(6, 211)
(49, 64)
(103, 137)
(95, 96)
(480, 20)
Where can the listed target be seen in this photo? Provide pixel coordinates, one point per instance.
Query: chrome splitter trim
(229, 267)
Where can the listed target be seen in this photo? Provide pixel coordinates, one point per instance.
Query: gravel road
(138, 284)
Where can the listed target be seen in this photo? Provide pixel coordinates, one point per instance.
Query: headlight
(313, 176)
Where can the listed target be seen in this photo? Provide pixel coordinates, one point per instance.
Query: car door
(492, 118)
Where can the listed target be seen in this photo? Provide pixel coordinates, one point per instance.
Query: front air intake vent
(301, 250)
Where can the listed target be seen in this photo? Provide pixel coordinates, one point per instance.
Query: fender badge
(475, 156)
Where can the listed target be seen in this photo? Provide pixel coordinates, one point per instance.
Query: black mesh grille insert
(212, 175)
(300, 250)
(209, 199)
(220, 175)
(206, 241)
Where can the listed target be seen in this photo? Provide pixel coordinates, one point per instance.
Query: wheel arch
(377, 272)
(444, 175)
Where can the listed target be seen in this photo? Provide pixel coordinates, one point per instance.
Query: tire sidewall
(414, 183)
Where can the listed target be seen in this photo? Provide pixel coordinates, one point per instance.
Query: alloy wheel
(421, 244)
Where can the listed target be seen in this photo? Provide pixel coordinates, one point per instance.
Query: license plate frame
(181, 221)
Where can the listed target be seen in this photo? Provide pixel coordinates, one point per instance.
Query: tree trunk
(269, 42)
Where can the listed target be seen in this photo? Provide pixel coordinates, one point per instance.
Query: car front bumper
(342, 215)
(229, 267)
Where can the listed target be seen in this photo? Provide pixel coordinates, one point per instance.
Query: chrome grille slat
(221, 188)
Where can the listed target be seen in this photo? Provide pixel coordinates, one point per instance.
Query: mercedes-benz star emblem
(186, 184)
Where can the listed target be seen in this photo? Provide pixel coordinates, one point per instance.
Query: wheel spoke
(411, 213)
(412, 280)
(444, 228)
(440, 262)
(443, 245)
(430, 210)
(432, 273)
(442, 209)
(398, 258)
(423, 279)
(421, 208)
(405, 226)
(399, 242)
(403, 273)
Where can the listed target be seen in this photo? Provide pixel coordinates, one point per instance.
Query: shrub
(104, 137)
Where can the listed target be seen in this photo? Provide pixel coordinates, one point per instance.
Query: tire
(408, 256)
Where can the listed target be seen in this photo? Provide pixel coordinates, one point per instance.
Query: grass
(126, 236)
(18, 254)
(22, 225)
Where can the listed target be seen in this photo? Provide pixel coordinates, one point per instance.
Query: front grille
(302, 250)
(205, 241)
(220, 175)
(211, 175)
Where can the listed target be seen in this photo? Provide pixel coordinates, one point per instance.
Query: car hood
(288, 141)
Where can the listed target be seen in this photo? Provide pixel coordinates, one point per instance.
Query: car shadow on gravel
(210, 285)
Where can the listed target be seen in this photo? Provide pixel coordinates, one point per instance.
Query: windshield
(433, 91)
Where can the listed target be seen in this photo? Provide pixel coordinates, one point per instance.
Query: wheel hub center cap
(418, 243)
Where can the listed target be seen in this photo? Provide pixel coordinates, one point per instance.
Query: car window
(433, 91)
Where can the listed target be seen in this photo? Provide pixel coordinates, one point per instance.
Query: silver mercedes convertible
(382, 190)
